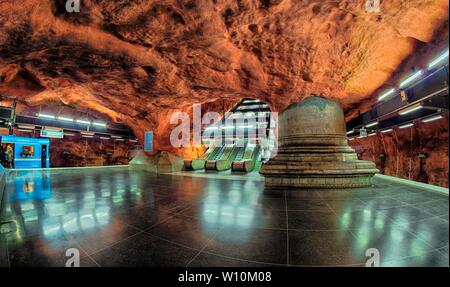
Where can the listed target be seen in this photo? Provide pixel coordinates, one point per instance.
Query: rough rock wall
(141, 60)
(402, 148)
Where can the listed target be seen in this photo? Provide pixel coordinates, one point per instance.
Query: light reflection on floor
(122, 218)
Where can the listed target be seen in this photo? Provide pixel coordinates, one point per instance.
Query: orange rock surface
(139, 61)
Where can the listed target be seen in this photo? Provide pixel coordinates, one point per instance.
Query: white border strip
(421, 185)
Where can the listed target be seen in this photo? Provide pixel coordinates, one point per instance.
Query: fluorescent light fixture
(84, 122)
(350, 132)
(103, 125)
(411, 79)
(65, 119)
(387, 94)
(372, 124)
(228, 127)
(406, 126)
(87, 133)
(25, 131)
(105, 138)
(46, 116)
(245, 127)
(26, 127)
(116, 137)
(69, 134)
(439, 59)
(120, 140)
(372, 134)
(386, 131)
(211, 128)
(433, 118)
(86, 136)
(410, 110)
(133, 141)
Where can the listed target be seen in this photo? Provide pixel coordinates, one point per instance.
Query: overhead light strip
(411, 79)
(438, 60)
(46, 116)
(406, 126)
(387, 94)
(410, 110)
(431, 119)
(369, 125)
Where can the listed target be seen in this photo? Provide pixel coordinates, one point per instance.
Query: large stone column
(313, 150)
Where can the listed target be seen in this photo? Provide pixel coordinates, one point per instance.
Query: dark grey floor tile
(321, 248)
(392, 242)
(144, 250)
(257, 245)
(433, 231)
(211, 260)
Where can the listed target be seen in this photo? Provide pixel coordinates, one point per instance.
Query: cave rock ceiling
(137, 61)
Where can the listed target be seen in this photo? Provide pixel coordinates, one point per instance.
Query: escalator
(196, 164)
(248, 161)
(224, 160)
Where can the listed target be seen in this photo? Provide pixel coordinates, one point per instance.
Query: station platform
(118, 217)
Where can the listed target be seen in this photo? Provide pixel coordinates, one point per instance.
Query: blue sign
(56, 134)
(148, 141)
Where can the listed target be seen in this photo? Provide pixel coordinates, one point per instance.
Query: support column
(313, 150)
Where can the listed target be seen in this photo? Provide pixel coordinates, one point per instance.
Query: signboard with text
(148, 141)
(56, 134)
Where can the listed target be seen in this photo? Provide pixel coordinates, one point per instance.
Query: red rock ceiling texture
(137, 61)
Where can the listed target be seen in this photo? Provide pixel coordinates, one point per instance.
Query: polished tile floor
(115, 217)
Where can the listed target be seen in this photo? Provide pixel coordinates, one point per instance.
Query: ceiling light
(410, 79)
(65, 119)
(386, 131)
(387, 94)
(25, 130)
(103, 125)
(26, 127)
(46, 116)
(104, 138)
(86, 136)
(439, 59)
(431, 119)
(371, 124)
(350, 132)
(83, 122)
(406, 126)
(228, 127)
(372, 134)
(410, 110)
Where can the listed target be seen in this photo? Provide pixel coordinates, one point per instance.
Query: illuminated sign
(56, 134)
(148, 141)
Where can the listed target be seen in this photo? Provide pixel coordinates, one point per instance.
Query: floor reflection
(122, 218)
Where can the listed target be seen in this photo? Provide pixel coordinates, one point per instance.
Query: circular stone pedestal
(313, 150)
